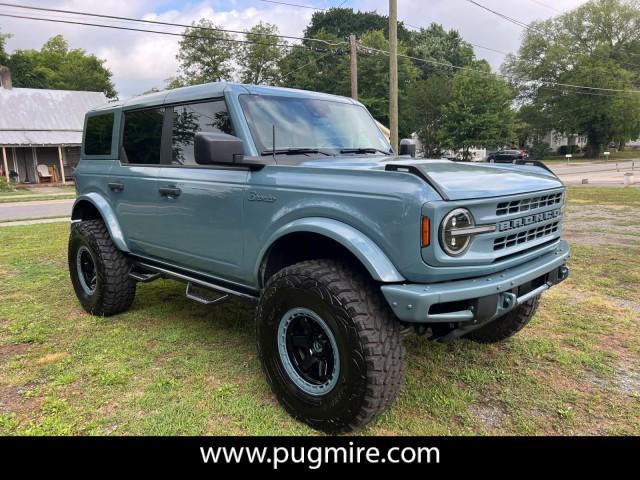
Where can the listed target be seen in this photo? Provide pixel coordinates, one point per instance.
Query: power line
(175, 34)
(295, 5)
(472, 44)
(312, 62)
(546, 6)
(503, 16)
(158, 22)
(541, 82)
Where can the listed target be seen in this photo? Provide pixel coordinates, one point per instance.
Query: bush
(568, 149)
(5, 186)
(540, 150)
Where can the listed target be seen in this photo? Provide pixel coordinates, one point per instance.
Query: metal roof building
(41, 132)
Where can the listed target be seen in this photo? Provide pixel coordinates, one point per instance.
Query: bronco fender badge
(257, 197)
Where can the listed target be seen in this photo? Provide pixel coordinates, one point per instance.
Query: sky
(140, 61)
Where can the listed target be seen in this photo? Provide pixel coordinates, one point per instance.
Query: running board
(192, 281)
(205, 301)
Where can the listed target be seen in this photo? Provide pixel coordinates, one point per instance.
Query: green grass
(621, 197)
(38, 199)
(169, 366)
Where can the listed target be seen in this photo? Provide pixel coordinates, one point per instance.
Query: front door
(202, 207)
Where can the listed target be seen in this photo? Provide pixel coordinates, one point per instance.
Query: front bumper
(479, 299)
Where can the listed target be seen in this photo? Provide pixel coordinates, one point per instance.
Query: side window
(98, 135)
(193, 118)
(143, 136)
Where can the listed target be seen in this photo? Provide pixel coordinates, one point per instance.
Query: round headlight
(454, 237)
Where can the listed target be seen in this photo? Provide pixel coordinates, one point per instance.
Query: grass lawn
(170, 366)
(22, 198)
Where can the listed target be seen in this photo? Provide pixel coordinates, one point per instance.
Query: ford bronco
(296, 200)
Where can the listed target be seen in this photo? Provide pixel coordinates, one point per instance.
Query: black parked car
(506, 156)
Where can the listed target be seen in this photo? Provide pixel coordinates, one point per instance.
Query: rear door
(134, 180)
(203, 208)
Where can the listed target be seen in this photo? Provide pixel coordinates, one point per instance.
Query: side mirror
(408, 147)
(215, 147)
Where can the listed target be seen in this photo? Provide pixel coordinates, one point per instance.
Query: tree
(3, 54)
(596, 45)
(427, 100)
(342, 22)
(57, 66)
(260, 61)
(479, 113)
(445, 47)
(205, 55)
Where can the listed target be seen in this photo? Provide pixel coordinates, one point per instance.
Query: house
(41, 131)
(555, 140)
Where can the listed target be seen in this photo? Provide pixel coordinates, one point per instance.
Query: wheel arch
(313, 238)
(92, 206)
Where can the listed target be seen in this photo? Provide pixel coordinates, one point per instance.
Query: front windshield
(304, 123)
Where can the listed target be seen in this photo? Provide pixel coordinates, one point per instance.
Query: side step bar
(153, 272)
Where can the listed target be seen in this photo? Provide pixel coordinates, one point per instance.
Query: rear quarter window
(98, 134)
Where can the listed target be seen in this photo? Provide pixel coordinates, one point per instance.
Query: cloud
(140, 61)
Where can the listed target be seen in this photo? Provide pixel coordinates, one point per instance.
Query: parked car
(507, 156)
(295, 200)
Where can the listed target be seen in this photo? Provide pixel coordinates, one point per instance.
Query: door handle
(170, 192)
(116, 186)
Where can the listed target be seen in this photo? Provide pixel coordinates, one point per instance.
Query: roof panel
(17, 138)
(38, 109)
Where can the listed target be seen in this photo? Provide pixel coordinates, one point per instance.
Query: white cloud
(140, 61)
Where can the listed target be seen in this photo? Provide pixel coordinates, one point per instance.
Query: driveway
(35, 209)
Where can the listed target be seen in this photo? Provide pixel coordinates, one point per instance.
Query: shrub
(5, 186)
(568, 149)
(540, 150)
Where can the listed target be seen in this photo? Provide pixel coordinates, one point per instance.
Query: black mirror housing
(408, 147)
(217, 147)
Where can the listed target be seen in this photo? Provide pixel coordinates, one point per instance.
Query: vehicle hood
(457, 180)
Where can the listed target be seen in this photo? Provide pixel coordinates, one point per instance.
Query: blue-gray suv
(296, 200)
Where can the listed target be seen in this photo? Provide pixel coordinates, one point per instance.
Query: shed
(41, 132)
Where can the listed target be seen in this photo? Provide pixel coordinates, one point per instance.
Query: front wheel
(330, 348)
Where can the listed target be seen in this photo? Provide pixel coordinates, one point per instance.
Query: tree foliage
(259, 61)
(205, 55)
(596, 45)
(57, 66)
(479, 113)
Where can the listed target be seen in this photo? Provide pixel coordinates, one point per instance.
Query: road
(35, 209)
(601, 173)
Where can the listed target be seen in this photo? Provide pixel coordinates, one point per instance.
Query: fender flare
(108, 215)
(365, 250)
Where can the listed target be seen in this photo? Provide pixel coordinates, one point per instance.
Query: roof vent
(5, 77)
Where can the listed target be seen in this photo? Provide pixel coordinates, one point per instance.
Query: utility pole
(393, 73)
(354, 67)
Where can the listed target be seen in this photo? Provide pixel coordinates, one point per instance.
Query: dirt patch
(601, 225)
(627, 379)
(492, 416)
(12, 400)
(7, 352)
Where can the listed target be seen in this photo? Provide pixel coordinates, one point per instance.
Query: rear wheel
(507, 325)
(99, 271)
(331, 349)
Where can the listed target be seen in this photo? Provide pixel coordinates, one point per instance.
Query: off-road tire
(114, 291)
(372, 355)
(507, 325)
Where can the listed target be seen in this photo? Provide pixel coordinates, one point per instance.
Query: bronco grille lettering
(528, 220)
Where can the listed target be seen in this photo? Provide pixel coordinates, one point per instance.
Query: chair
(43, 173)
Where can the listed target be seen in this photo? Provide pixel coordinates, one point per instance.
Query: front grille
(525, 236)
(526, 204)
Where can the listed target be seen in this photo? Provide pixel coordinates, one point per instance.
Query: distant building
(555, 140)
(41, 132)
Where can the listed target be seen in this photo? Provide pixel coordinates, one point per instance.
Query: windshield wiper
(364, 150)
(295, 151)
